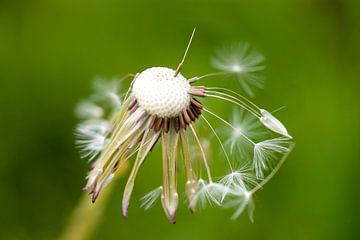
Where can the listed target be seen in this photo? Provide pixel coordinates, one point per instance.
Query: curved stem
(237, 94)
(232, 99)
(86, 216)
(213, 74)
(273, 172)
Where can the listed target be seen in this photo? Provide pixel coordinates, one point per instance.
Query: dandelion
(240, 201)
(244, 124)
(209, 193)
(273, 123)
(91, 137)
(266, 151)
(89, 110)
(164, 107)
(107, 92)
(242, 62)
(239, 180)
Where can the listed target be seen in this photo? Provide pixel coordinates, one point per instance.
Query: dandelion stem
(86, 216)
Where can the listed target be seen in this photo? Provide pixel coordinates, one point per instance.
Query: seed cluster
(184, 118)
(159, 91)
(179, 107)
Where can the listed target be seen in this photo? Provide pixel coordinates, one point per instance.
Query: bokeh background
(51, 50)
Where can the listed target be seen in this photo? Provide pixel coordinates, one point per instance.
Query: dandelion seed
(91, 138)
(240, 202)
(107, 92)
(89, 110)
(149, 199)
(109, 180)
(164, 107)
(273, 123)
(243, 62)
(244, 125)
(208, 193)
(242, 178)
(265, 151)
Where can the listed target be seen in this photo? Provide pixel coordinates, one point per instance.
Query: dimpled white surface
(160, 93)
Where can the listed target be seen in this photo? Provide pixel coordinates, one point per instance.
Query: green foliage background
(50, 51)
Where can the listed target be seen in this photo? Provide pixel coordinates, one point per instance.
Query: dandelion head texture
(163, 108)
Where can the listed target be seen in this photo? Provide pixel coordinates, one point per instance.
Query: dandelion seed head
(162, 107)
(160, 93)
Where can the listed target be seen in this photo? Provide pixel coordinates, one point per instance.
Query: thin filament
(212, 74)
(227, 97)
(237, 94)
(178, 69)
(218, 138)
(229, 124)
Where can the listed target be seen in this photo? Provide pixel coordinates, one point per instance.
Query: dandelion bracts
(163, 107)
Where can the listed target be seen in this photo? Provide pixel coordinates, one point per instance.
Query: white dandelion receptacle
(160, 93)
(162, 106)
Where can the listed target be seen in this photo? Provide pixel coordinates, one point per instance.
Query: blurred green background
(51, 50)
